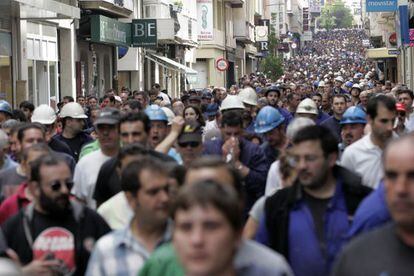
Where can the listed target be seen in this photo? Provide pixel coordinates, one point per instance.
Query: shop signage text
(111, 31)
(144, 33)
(381, 5)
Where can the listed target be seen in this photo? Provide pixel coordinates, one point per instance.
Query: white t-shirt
(165, 98)
(86, 174)
(364, 158)
(274, 180)
(116, 211)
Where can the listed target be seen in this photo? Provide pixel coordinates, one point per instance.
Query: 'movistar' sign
(381, 5)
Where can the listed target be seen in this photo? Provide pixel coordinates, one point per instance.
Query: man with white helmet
(46, 116)
(73, 115)
(355, 91)
(249, 99)
(339, 81)
(307, 108)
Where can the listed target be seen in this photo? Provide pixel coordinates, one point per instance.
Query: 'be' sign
(144, 33)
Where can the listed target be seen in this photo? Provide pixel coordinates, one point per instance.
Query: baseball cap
(108, 116)
(191, 133)
(195, 98)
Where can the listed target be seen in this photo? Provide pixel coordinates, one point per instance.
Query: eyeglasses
(191, 144)
(57, 185)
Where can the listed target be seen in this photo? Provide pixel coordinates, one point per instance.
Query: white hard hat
(170, 114)
(356, 86)
(307, 106)
(248, 96)
(339, 78)
(72, 110)
(321, 84)
(44, 115)
(231, 102)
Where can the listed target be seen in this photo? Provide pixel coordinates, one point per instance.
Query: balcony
(118, 8)
(244, 32)
(235, 2)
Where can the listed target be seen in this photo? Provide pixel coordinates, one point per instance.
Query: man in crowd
(364, 156)
(5, 160)
(5, 111)
(247, 157)
(124, 251)
(271, 124)
(406, 97)
(23, 195)
(388, 250)
(27, 108)
(352, 126)
(307, 221)
(87, 169)
(338, 109)
(53, 235)
(73, 115)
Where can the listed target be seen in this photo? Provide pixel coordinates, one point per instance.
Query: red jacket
(14, 203)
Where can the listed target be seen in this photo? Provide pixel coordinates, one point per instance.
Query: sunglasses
(57, 185)
(191, 144)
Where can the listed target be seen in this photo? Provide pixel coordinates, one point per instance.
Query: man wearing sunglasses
(190, 145)
(53, 235)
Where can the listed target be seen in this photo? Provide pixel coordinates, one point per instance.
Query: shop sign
(262, 33)
(381, 5)
(110, 31)
(205, 19)
(394, 52)
(144, 33)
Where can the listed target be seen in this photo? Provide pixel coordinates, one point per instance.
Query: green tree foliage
(272, 65)
(336, 15)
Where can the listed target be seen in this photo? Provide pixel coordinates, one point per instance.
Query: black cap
(191, 133)
(108, 116)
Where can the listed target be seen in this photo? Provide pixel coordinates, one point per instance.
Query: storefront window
(6, 84)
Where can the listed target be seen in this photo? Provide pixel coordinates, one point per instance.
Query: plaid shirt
(119, 253)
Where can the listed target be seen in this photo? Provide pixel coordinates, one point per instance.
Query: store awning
(380, 53)
(171, 64)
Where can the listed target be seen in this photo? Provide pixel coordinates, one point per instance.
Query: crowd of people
(309, 174)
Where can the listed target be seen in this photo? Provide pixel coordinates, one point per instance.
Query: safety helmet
(267, 119)
(248, 96)
(44, 115)
(321, 84)
(169, 113)
(155, 113)
(357, 86)
(5, 107)
(340, 79)
(272, 88)
(349, 84)
(307, 106)
(353, 115)
(72, 110)
(231, 102)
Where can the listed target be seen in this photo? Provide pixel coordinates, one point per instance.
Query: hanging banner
(205, 19)
(381, 5)
(411, 37)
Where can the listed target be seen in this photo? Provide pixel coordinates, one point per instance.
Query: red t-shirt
(14, 203)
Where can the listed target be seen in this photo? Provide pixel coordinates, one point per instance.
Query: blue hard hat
(349, 84)
(354, 115)
(155, 113)
(5, 107)
(268, 119)
(211, 109)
